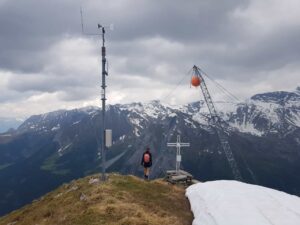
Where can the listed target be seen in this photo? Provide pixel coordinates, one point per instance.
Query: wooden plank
(185, 173)
(171, 172)
(179, 177)
(181, 172)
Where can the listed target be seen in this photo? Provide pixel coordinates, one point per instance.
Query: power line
(221, 87)
(177, 85)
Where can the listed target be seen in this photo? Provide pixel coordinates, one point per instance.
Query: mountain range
(50, 149)
(7, 123)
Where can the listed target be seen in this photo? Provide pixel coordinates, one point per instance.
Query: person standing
(146, 163)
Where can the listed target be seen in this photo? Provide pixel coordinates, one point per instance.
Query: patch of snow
(269, 110)
(225, 108)
(237, 203)
(122, 137)
(90, 110)
(62, 149)
(152, 109)
(136, 132)
(246, 128)
(187, 121)
(200, 118)
(135, 121)
(57, 127)
(295, 119)
(76, 122)
(172, 115)
(206, 150)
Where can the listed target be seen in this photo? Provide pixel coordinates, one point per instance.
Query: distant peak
(156, 101)
(274, 96)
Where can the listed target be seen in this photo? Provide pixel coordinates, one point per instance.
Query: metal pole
(103, 98)
(178, 154)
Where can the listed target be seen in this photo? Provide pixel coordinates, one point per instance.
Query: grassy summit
(121, 200)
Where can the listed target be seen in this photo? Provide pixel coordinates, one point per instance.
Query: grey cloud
(272, 52)
(78, 93)
(46, 83)
(11, 96)
(30, 27)
(157, 40)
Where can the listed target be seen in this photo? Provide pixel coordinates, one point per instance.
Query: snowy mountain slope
(54, 120)
(277, 112)
(235, 203)
(263, 114)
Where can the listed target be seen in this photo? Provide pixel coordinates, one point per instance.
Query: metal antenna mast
(103, 99)
(105, 134)
(218, 127)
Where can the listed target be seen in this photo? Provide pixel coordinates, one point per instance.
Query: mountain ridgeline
(50, 149)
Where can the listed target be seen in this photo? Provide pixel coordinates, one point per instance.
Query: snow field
(236, 203)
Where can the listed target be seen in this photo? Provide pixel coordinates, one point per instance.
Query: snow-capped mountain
(263, 133)
(277, 112)
(263, 114)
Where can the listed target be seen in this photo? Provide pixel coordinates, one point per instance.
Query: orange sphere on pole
(195, 81)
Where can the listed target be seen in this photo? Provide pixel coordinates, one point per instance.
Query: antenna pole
(103, 96)
(81, 18)
(103, 99)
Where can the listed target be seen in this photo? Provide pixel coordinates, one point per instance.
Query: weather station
(106, 134)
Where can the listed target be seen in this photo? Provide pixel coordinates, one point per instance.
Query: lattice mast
(218, 126)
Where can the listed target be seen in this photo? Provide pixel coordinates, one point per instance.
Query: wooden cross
(178, 145)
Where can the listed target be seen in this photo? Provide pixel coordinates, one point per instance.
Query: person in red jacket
(146, 163)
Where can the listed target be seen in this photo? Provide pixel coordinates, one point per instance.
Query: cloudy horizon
(248, 46)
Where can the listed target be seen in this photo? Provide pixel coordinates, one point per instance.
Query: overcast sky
(248, 46)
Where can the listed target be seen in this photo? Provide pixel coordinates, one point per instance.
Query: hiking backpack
(146, 158)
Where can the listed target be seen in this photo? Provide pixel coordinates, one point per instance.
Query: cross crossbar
(180, 144)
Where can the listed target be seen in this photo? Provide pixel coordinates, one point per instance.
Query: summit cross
(178, 146)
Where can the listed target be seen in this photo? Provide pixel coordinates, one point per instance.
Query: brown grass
(122, 200)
